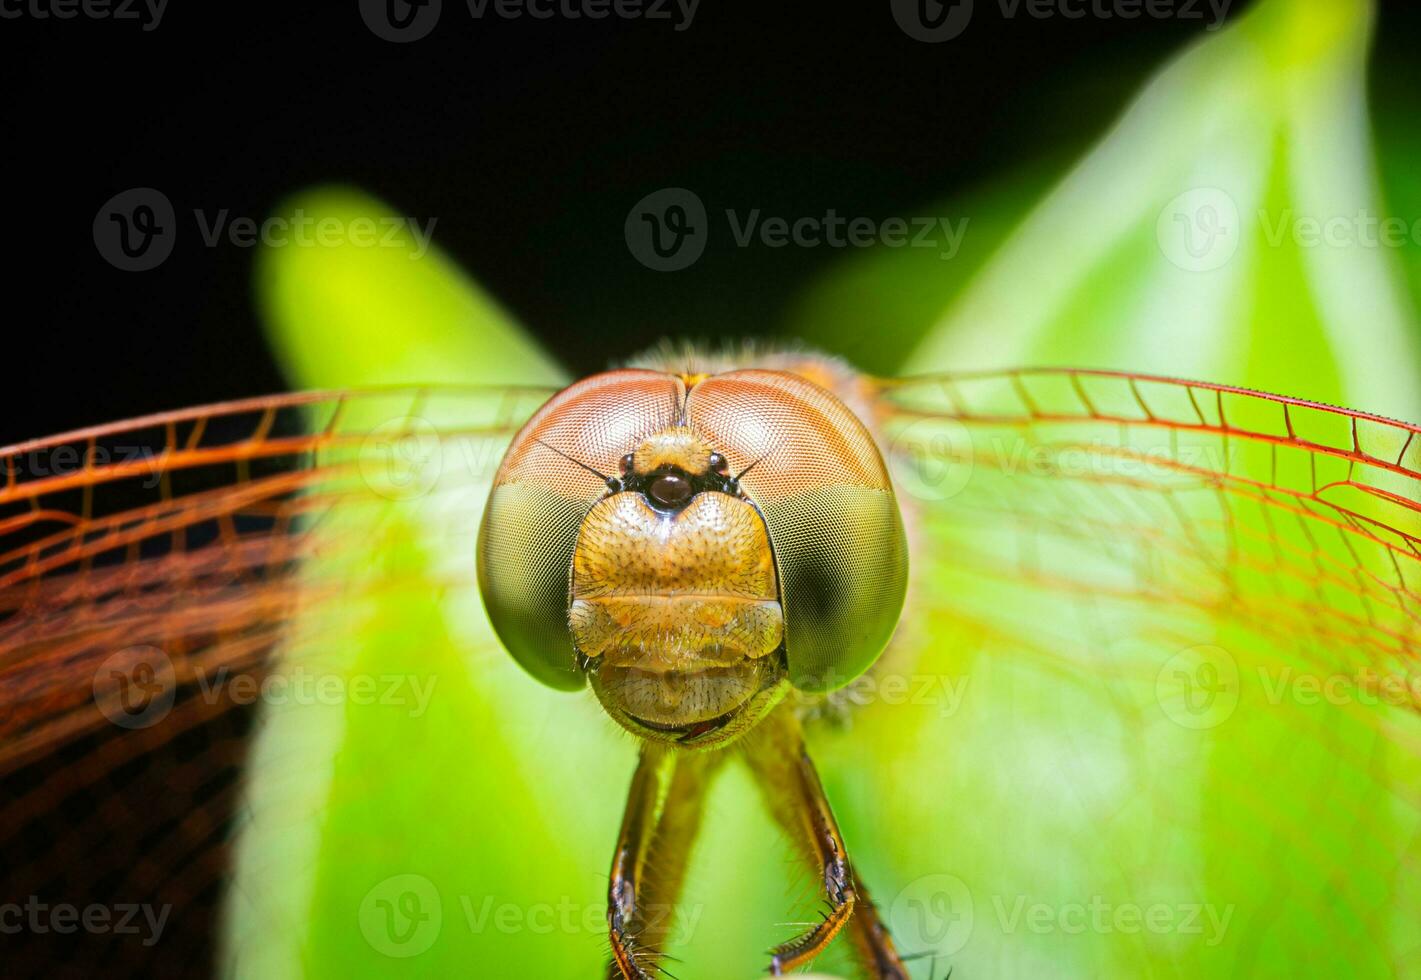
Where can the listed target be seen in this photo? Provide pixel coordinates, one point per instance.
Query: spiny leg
(659, 828)
(791, 787)
(664, 868)
(650, 783)
(872, 941)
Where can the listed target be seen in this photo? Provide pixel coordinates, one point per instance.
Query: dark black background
(527, 139)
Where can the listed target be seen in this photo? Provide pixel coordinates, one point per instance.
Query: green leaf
(1182, 244)
(383, 307)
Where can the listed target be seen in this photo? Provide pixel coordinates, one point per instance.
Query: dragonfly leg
(790, 785)
(659, 828)
(872, 941)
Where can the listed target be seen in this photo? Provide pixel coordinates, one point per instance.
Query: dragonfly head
(693, 545)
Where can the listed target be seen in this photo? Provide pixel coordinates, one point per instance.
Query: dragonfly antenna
(750, 467)
(577, 462)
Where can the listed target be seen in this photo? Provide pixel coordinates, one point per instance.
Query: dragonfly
(744, 554)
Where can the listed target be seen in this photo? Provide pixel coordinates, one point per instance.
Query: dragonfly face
(675, 601)
(749, 540)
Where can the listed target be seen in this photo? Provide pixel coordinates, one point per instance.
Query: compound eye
(719, 465)
(670, 491)
(626, 463)
(828, 504)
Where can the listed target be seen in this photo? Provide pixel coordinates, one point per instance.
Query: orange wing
(140, 563)
(1168, 635)
(1300, 518)
(1081, 522)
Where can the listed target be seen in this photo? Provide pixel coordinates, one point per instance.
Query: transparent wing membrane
(1152, 699)
(1173, 630)
(1293, 517)
(146, 565)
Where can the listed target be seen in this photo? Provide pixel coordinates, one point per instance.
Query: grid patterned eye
(813, 470)
(670, 490)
